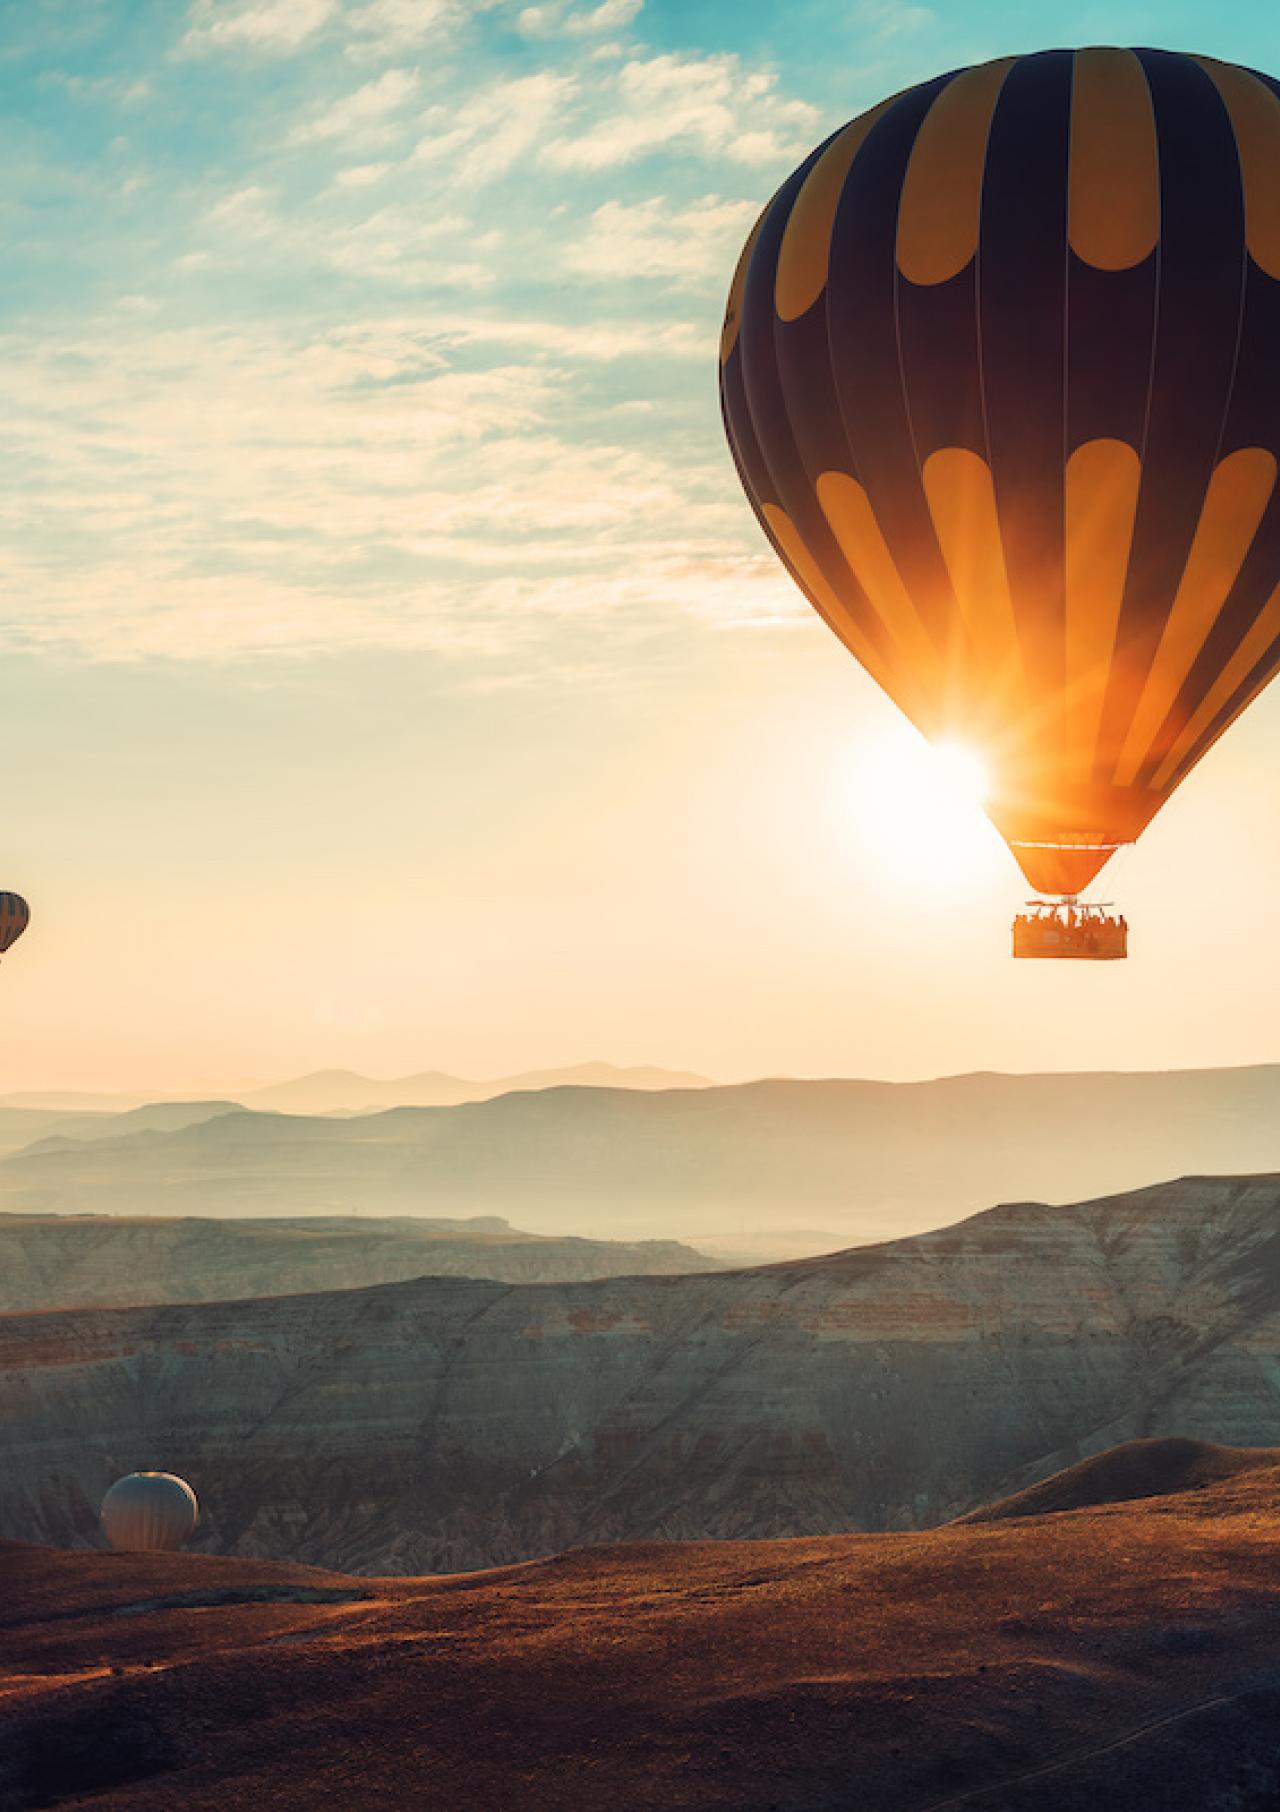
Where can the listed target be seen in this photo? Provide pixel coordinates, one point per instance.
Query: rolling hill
(712, 1165)
(1123, 1656)
(449, 1422)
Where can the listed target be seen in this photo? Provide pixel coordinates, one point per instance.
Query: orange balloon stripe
(1255, 119)
(1238, 493)
(1102, 480)
(847, 508)
(1114, 194)
(1265, 631)
(805, 253)
(962, 503)
(942, 193)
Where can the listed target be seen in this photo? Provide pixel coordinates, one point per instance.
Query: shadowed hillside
(449, 1423)
(78, 1261)
(866, 1159)
(1127, 1656)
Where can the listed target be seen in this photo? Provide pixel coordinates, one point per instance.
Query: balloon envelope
(15, 916)
(153, 1511)
(999, 375)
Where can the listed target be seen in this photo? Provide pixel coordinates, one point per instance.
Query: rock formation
(452, 1423)
(78, 1261)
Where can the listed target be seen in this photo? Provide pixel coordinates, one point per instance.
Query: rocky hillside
(55, 1261)
(450, 1423)
(869, 1159)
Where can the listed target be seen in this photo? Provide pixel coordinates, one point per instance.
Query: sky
(392, 674)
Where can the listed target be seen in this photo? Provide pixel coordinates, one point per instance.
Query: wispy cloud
(883, 19)
(361, 117)
(389, 27)
(708, 105)
(574, 20)
(418, 355)
(225, 493)
(692, 244)
(490, 132)
(268, 26)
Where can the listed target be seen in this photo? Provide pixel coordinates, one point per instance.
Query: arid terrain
(1118, 1655)
(447, 1423)
(78, 1261)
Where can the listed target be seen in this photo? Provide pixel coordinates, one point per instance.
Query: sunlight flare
(918, 807)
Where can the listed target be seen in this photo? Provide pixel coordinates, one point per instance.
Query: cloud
(119, 91)
(248, 209)
(692, 244)
(267, 26)
(210, 494)
(893, 18)
(707, 104)
(360, 176)
(388, 27)
(397, 245)
(561, 16)
(362, 116)
(489, 133)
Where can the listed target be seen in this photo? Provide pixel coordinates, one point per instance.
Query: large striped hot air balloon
(1000, 373)
(15, 916)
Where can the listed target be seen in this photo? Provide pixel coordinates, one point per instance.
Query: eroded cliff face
(445, 1424)
(54, 1261)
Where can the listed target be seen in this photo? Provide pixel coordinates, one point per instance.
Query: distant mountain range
(77, 1261)
(348, 1092)
(724, 1167)
(453, 1423)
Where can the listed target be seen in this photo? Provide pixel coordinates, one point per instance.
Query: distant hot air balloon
(15, 916)
(1000, 375)
(153, 1511)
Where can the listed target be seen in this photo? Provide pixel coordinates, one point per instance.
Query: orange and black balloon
(15, 916)
(1001, 375)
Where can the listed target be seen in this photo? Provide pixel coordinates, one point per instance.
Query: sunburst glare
(919, 809)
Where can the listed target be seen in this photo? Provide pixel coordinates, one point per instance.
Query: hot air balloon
(15, 916)
(149, 1511)
(999, 373)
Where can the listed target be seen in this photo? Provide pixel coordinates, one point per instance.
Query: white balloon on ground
(150, 1512)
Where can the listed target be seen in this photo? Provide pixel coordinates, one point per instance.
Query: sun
(918, 807)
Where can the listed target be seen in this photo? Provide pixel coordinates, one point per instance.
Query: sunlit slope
(447, 1423)
(867, 1159)
(1124, 1656)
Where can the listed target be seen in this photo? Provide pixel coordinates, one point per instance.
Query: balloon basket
(1072, 931)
